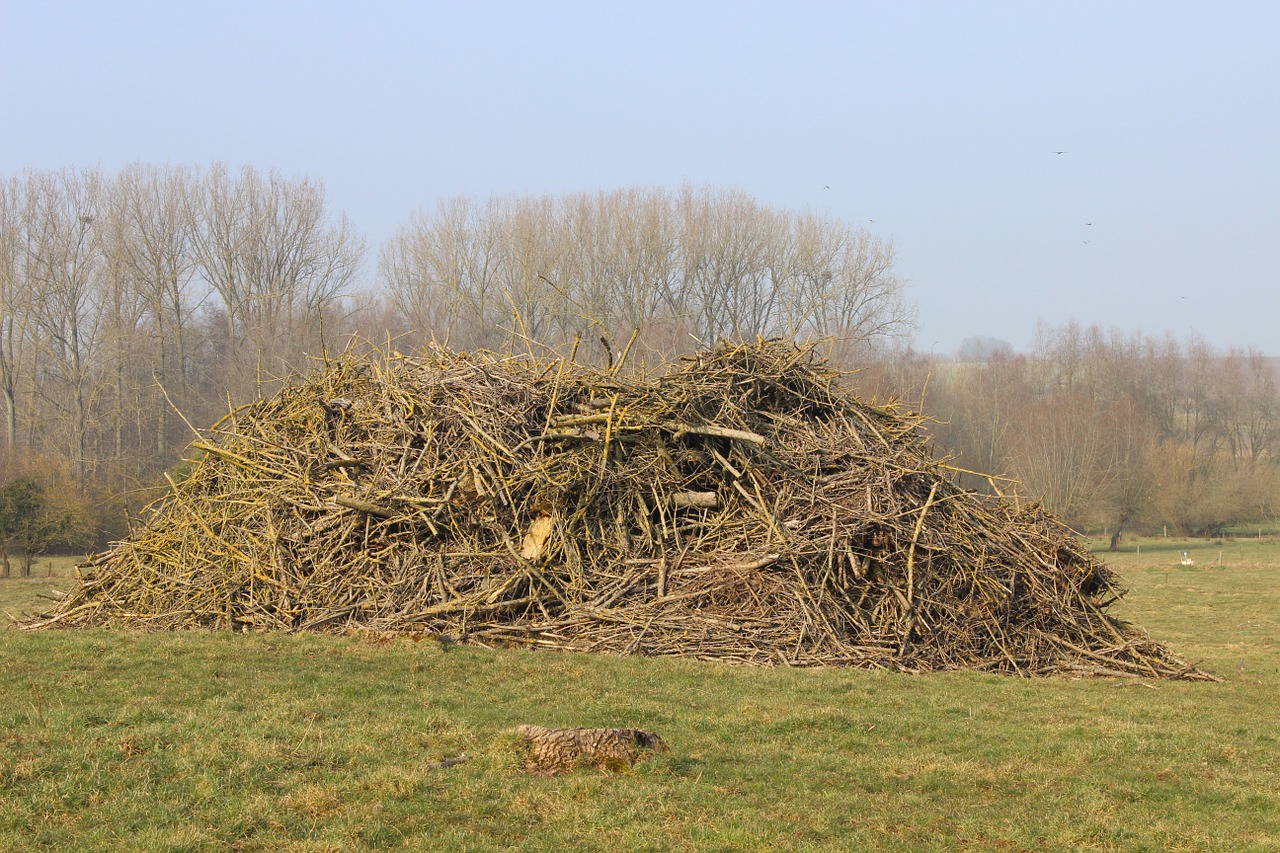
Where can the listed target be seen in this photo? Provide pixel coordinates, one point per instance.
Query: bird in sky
(1060, 152)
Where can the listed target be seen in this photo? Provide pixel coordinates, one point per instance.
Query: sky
(936, 125)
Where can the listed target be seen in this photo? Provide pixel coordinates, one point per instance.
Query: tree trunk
(1119, 531)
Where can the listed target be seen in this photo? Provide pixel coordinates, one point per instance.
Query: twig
(448, 762)
(719, 432)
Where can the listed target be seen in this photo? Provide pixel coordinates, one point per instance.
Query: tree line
(135, 306)
(1113, 431)
(696, 265)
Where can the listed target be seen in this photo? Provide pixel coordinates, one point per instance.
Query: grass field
(190, 741)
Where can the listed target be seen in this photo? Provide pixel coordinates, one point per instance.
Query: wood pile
(744, 507)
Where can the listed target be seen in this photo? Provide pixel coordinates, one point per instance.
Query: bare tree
(436, 270)
(122, 309)
(64, 263)
(856, 298)
(714, 264)
(530, 269)
(269, 250)
(154, 251)
(642, 231)
(16, 320)
(979, 407)
(1250, 406)
(727, 242)
(1061, 454)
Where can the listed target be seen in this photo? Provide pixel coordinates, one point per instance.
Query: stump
(551, 752)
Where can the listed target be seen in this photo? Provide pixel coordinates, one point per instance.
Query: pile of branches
(744, 507)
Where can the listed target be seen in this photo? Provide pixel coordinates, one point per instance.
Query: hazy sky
(933, 124)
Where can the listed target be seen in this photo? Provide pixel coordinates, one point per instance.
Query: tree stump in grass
(551, 752)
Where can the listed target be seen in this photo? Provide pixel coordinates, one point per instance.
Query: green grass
(190, 741)
(45, 567)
